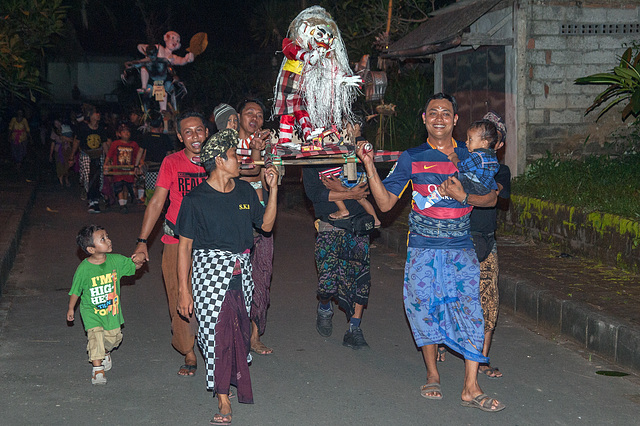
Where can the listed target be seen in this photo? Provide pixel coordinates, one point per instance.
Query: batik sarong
(489, 297)
(212, 273)
(441, 299)
(262, 265)
(343, 266)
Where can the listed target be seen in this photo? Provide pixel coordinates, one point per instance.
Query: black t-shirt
(319, 194)
(484, 219)
(157, 146)
(216, 220)
(91, 140)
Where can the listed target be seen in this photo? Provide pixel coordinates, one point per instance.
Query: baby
(476, 172)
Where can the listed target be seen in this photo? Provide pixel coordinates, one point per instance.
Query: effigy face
(316, 37)
(172, 41)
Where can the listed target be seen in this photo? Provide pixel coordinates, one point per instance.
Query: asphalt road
(309, 380)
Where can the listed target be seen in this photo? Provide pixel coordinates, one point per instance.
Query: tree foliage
(27, 28)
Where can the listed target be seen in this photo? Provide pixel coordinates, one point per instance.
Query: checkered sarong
(84, 165)
(212, 272)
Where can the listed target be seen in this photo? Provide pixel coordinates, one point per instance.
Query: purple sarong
(233, 341)
(441, 299)
(262, 264)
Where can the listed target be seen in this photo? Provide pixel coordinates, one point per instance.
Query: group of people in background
(218, 244)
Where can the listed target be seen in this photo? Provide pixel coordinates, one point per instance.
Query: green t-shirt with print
(98, 287)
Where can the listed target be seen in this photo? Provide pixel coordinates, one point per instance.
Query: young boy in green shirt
(97, 280)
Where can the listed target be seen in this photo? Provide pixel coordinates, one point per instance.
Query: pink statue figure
(315, 86)
(171, 44)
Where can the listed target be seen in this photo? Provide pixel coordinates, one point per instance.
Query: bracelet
(466, 198)
(142, 240)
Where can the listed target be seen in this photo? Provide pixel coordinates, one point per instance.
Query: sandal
(490, 372)
(431, 388)
(190, 369)
(485, 403)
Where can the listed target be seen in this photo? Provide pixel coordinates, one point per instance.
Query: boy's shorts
(101, 341)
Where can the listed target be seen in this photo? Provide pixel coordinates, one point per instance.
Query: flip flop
(191, 370)
(487, 405)
(431, 388)
(490, 372)
(442, 351)
(261, 349)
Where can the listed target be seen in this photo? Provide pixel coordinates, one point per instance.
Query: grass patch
(606, 183)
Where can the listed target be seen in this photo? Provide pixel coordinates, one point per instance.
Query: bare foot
(260, 348)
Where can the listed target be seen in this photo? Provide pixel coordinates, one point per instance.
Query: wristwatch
(142, 240)
(464, 202)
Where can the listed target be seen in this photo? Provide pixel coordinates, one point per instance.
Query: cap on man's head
(221, 114)
(498, 122)
(218, 144)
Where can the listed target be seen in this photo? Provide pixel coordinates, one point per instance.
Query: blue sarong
(441, 299)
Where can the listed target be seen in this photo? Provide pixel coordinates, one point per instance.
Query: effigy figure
(315, 86)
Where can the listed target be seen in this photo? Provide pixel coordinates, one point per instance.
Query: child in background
(97, 284)
(61, 140)
(123, 152)
(226, 117)
(476, 173)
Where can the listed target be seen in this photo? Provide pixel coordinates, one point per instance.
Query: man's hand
(141, 250)
(366, 155)
(359, 192)
(271, 177)
(453, 188)
(332, 183)
(185, 304)
(259, 139)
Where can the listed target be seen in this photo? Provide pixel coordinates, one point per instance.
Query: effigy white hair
(322, 86)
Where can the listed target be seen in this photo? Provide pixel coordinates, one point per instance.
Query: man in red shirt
(179, 173)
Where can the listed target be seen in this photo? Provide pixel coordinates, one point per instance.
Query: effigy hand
(350, 80)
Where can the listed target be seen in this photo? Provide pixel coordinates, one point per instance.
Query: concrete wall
(612, 239)
(559, 50)
(95, 77)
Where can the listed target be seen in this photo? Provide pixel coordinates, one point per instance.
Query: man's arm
(151, 215)
(185, 296)
(453, 188)
(384, 199)
(269, 218)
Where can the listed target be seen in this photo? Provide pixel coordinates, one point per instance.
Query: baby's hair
(488, 131)
(85, 236)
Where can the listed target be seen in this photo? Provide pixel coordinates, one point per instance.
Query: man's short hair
(186, 115)
(155, 119)
(445, 96)
(244, 103)
(85, 236)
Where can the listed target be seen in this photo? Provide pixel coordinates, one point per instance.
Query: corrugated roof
(442, 31)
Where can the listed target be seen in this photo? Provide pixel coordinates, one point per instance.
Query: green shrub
(606, 183)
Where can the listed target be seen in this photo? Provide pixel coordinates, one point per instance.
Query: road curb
(17, 201)
(601, 334)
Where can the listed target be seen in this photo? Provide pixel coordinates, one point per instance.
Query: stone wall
(567, 40)
(612, 239)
